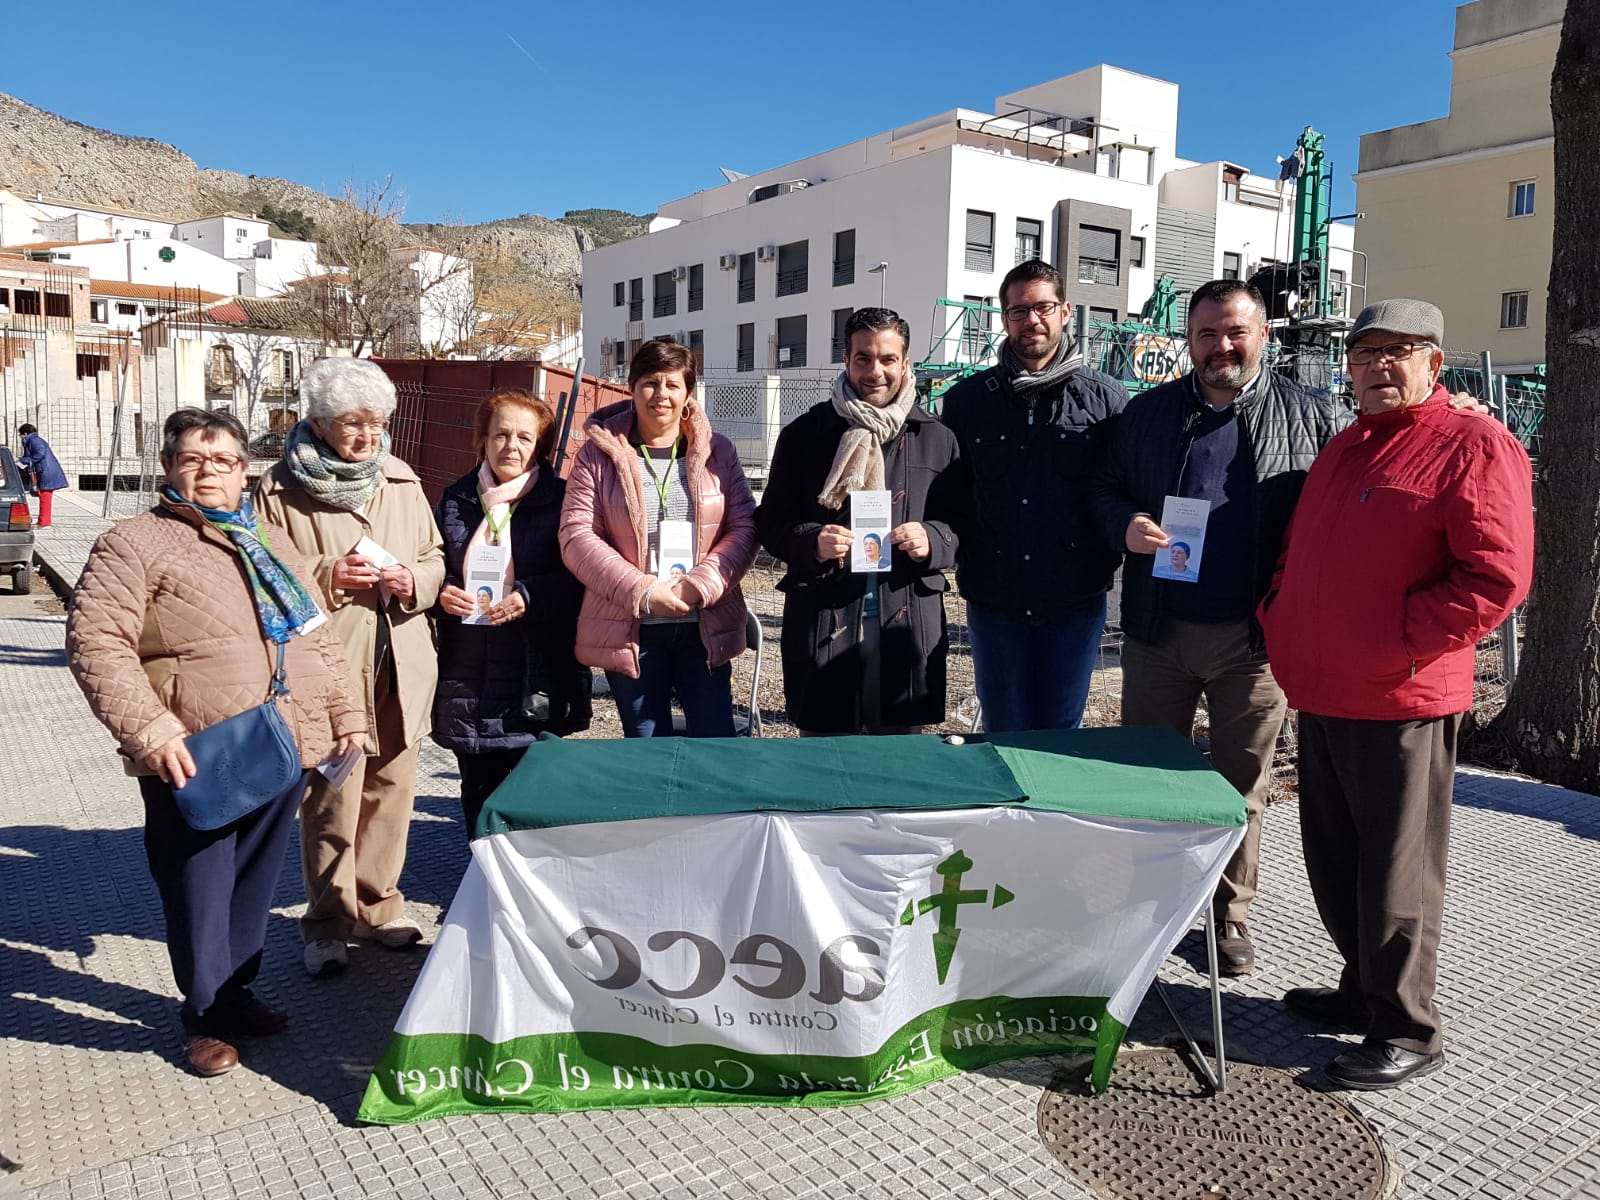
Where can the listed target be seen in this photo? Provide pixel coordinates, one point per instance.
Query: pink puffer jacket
(603, 538)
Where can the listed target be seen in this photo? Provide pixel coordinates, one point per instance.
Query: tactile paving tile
(94, 1101)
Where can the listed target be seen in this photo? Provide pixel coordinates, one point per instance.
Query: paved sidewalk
(94, 1101)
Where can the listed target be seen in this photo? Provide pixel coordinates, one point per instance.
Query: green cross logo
(948, 901)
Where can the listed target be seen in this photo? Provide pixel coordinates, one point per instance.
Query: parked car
(16, 525)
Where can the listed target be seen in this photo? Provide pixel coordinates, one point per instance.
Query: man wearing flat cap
(1412, 539)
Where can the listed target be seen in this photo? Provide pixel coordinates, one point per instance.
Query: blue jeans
(1034, 675)
(672, 660)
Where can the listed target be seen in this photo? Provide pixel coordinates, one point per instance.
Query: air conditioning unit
(728, 262)
(766, 253)
(679, 274)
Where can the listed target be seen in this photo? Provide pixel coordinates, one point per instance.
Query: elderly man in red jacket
(1412, 539)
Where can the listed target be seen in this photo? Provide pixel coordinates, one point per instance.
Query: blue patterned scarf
(283, 605)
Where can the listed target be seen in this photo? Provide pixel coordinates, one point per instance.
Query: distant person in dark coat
(863, 650)
(504, 683)
(44, 472)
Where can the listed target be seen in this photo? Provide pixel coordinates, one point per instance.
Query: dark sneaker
(1378, 1065)
(1327, 1006)
(1236, 955)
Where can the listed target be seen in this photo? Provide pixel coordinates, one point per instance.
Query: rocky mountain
(45, 154)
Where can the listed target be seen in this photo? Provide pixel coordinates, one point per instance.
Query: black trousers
(216, 889)
(1375, 827)
(480, 775)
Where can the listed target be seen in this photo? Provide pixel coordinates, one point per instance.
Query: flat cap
(1417, 318)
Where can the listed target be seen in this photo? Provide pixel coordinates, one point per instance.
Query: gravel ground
(762, 595)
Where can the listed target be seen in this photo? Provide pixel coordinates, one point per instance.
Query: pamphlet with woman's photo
(1184, 523)
(870, 514)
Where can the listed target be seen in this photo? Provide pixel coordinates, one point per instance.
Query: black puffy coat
(1029, 546)
(485, 670)
(822, 601)
(1285, 425)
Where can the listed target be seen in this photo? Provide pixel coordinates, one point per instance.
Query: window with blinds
(794, 260)
(1030, 235)
(1099, 255)
(841, 318)
(980, 240)
(844, 258)
(791, 340)
(747, 278)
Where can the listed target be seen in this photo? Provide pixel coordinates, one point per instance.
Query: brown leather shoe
(1236, 955)
(211, 1056)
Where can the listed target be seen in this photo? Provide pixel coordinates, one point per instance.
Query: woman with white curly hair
(359, 515)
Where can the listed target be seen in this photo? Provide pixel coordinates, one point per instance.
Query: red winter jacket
(1412, 539)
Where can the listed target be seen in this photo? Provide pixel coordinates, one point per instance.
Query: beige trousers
(353, 839)
(1162, 683)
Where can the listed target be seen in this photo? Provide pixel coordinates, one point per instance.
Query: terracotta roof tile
(151, 291)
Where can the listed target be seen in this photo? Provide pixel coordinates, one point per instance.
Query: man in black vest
(1240, 437)
(1032, 565)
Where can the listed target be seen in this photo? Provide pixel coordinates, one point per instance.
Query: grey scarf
(1030, 385)
(858, 463)
(347, 486)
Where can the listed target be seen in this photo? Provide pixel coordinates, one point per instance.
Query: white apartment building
(760, 273)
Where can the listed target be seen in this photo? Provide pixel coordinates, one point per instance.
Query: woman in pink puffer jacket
(659, 527)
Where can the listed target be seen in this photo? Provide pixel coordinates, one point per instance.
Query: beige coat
(399, 519)
(164, 639)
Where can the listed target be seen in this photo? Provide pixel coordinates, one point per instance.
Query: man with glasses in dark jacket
(1031, 564)
(1242, 438)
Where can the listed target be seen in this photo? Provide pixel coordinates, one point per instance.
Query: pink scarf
(497, 500)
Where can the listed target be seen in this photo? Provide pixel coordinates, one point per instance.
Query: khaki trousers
(1162, 683)
(353, 839)
(1375, 825)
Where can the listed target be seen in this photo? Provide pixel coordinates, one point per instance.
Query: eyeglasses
(1365, 356)
(190, 463)
(357, 425)
(1044, 310)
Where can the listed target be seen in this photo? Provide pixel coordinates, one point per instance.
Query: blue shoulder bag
(240, 763)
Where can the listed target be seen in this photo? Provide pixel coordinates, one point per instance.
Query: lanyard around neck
(663, 482)
(488, 515)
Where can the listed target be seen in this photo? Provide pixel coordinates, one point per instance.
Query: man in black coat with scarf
(863, 651)
(1033, 568)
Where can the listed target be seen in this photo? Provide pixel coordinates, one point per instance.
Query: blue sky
(625, 105)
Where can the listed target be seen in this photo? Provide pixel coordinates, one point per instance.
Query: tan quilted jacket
(163, 639)
(400, 519)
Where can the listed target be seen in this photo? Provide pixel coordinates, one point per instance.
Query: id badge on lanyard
(675, 549)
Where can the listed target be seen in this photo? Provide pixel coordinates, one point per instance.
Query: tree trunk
(1552, 717)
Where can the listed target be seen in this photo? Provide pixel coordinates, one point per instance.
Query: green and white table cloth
(817, 921)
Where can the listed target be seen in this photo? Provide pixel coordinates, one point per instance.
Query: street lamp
(882, 272)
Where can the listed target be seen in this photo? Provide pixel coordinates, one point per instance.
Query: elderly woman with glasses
(177, 624)
(359, 515)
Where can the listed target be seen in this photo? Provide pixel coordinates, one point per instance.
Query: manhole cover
(1159, 1134)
